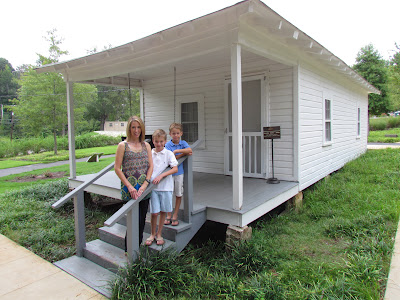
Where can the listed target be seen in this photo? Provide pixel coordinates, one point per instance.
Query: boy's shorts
(178, 185)
(160, 201)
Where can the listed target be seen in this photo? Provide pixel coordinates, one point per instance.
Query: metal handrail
(84, 185)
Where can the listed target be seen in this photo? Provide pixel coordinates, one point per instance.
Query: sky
(341, 26)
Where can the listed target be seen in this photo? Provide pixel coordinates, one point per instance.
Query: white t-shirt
(162, 160)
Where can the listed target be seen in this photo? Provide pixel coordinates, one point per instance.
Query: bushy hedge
(36, 145)
(384, 123)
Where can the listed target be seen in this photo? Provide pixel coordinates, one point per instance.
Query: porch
(214, 193)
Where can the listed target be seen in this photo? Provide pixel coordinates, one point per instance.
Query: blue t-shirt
(171, 146)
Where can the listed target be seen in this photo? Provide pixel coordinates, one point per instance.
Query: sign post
(271, 133)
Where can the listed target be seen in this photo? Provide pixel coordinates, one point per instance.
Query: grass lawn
(11, 182)
(47, 157)
(378, 136)
(338, 246)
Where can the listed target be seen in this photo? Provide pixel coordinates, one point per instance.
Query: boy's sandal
(149, 241)
(160, 241)
(167, 222)
(174, 222)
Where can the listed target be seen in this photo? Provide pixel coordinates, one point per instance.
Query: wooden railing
(130, 209)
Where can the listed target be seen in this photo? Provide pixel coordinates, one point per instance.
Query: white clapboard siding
(159, 109)
(281, 114)
(316, 160)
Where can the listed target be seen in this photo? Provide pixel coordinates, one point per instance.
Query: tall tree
(8, 86)
(41, 105)
(394, 80)
(371, 65)
(112, 104)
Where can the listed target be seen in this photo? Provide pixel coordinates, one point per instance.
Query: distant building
(115, 125)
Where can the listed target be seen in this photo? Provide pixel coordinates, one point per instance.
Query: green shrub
(37, 145)
(378, 124)
(384, 123)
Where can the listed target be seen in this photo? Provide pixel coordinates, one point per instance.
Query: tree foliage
(113, 104)
(41, 106)
(394, 80)
(373, 68)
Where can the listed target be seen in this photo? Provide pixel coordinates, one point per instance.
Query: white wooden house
(226, 76)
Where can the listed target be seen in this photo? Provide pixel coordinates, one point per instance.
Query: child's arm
(165, 174)
(183, 152)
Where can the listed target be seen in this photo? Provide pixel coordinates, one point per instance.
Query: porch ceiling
(202, 43)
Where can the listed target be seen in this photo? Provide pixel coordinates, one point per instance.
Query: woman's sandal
(174, 222)
(149, 241)
(167, 222)
(160, 241)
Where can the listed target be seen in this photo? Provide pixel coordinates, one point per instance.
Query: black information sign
(273, 132)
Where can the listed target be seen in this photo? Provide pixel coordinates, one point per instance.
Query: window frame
(199, 98)
(358, 128)
(327, 97)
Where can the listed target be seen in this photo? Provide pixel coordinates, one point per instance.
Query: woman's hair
(159, 133)
(128, 128)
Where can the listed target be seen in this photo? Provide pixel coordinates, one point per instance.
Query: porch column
(237, 156)
(71, 129)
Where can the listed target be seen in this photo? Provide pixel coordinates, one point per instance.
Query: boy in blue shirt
(179, 148)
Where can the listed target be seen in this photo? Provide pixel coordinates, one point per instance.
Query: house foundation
(235, 234)
(295, 202)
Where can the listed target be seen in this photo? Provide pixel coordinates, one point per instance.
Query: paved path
(24, 275)
(382, 145)
(22, 169)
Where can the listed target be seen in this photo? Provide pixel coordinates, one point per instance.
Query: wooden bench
(94, 157)
(391, 135)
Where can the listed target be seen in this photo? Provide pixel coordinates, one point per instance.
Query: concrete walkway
(28, 168)
(24, 275)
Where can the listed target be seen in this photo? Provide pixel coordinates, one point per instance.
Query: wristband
(148, 181)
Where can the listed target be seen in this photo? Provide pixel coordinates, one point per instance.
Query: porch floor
(214, 192)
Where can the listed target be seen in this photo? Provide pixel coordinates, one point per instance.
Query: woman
(134, 156)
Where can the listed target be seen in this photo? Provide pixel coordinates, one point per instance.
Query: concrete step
(91, 274)
(114, 235)
(105, 255)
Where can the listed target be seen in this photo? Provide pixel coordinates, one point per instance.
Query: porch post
(237, 156)
(71, 130)
(132, 232)
(79, 215)
(188, 189)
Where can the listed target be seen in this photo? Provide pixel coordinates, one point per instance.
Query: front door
(252, 110)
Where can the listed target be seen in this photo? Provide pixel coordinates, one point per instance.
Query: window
(327, 120)
(190, 113)
(110, 125)
(190, 121)
(122, 124)
(358, 122)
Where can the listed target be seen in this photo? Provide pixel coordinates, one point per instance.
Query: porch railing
(130, 209)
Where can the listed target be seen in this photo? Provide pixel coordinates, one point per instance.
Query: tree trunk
(55, 141)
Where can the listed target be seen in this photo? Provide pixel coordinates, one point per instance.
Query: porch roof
(204, 42)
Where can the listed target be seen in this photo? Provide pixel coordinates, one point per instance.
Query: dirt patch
(46, 175)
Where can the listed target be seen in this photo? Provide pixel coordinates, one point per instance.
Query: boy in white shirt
(161, 196)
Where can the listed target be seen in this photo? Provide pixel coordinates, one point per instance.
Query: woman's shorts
(160, 201)
(178, 185)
